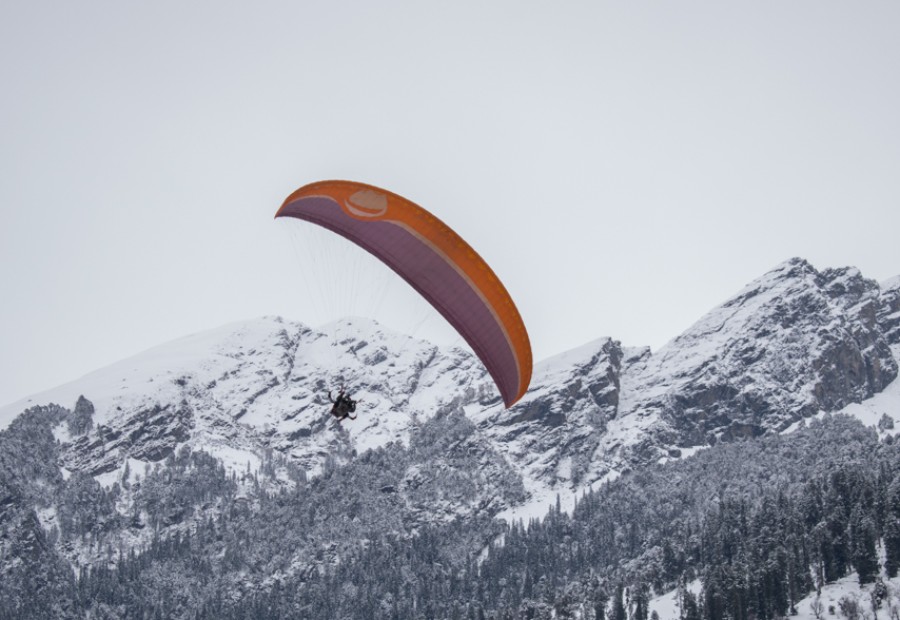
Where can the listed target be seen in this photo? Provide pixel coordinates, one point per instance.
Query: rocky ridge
(789, 345)
(792, 343)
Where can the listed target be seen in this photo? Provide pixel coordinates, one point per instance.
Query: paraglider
(342, 406)
(435, 261)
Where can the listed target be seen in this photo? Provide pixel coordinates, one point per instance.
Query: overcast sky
(623, 166)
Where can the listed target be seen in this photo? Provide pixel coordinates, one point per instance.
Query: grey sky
(623, 166)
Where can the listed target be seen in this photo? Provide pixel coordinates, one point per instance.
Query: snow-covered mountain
(219, 447)
(242, 388)
(791, 344)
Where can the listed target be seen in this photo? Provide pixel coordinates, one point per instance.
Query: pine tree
(600, 599)
(618, 605)
(82, 418)
(690, 610)
(641, 602)
(864, 554)
(892, 528)
(892, 545)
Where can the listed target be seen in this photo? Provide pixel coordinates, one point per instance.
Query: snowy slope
(827, 602)
(882, 411)
(245, 387)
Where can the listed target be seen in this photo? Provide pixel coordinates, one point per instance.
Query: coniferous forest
(758, 524)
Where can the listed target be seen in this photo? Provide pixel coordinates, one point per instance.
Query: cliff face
(792, 343)
(889, 310)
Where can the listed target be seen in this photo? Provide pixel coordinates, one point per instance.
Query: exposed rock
(791, 344)
(889, 310)
(148, 434)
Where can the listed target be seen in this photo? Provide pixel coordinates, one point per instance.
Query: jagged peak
(795, 262)
(800, 270)
(791, 270)
(361, 323)
(366, 331)
(578, 354)
(146, 372)
(891, 284)
(360, 328)
(788, 296)
(791, 277)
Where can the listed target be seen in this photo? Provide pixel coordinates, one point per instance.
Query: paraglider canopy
(435, 261)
